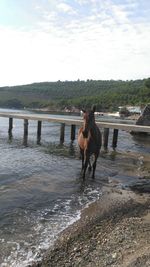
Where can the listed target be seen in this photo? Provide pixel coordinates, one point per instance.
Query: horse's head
(89, 121)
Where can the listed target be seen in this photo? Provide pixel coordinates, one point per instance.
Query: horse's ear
(94, 108)
(83, 110)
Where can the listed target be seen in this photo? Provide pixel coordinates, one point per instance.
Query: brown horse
(89, 140)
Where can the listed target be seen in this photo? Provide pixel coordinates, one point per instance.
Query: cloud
(66, 8)
(103, 42)
(82, 2)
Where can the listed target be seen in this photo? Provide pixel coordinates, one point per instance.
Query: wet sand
(114, 231)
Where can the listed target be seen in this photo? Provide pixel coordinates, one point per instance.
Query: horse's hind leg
(90, 167)
(94, 166)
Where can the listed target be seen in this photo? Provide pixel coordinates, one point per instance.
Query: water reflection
(72, 149)
(39, 140)
(142, 138)
(25, 140)
(113, 155)
(10, 137)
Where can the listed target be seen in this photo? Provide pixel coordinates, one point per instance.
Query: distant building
(72, 109)
(133, 109)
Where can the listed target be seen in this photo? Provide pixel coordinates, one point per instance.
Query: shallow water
(41, 191)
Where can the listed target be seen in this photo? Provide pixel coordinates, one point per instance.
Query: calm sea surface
(41, 191)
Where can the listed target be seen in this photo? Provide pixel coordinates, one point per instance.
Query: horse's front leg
(86, 162)
(82, 157)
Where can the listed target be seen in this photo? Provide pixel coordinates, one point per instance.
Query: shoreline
(113, 231)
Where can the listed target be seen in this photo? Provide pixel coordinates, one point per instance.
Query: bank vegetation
(107, 95)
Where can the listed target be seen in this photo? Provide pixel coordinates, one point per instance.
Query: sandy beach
(114, 231)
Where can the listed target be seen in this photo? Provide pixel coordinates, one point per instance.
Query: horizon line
(78, 80)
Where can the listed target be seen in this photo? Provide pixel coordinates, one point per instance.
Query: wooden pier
(73, 123)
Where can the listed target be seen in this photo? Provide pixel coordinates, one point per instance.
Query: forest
(106, 94)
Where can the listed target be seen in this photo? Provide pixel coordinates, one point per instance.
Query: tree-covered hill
(107, 95)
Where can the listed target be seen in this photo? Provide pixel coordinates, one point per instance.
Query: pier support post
(62, 133)
(106, 135)
(73, 132)
(25, 137)
(39, 125)
(115, 138)
(25, 127)
(10, 125)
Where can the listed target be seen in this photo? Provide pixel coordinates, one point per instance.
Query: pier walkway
(73, 123)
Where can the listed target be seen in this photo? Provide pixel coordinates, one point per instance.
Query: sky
(51, 40)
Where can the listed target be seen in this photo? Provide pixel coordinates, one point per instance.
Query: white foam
(48, 224)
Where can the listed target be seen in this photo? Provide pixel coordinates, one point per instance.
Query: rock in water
(144, 119)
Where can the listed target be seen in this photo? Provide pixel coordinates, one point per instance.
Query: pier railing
(73, 123)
